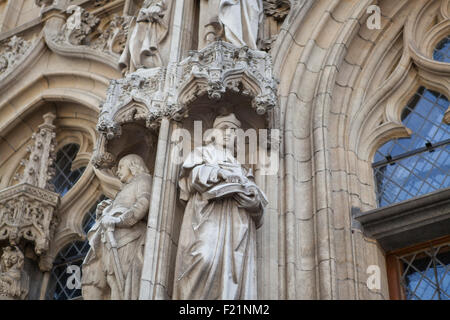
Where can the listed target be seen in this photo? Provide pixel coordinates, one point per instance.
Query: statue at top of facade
(113, 266)
(216, 256)
(240, 20)
(234, 21)
(146, 33)
(13, 280)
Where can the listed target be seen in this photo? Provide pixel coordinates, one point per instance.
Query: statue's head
(130, 166)
(11, 258)
(224, 130)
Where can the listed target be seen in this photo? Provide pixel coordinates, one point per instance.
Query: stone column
(160, 247)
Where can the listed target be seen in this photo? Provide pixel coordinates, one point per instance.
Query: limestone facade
(334, 88)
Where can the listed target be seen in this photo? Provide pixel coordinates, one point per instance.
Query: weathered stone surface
(342, 90)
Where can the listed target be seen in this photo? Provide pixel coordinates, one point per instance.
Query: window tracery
(409, 167)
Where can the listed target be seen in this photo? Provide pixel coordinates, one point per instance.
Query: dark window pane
(426, 274)
(71, 255)
(65, 178)
(442, 51)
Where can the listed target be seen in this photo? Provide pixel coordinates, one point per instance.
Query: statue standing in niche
(13, 280)
(216, 256)
(113, 266)
(237, 20)
(146, 33)
(240, 20)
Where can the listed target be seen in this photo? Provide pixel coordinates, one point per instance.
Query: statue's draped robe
(142, 47)
(216, 256)
(241, 20)
(98, 266)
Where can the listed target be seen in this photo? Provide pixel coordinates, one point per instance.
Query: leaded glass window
(65, 178)
(71, 257)
(410, 167)
(426, 273)
(442, 51)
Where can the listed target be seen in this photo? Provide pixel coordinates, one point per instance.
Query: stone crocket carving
(112, 268)
(216, 256)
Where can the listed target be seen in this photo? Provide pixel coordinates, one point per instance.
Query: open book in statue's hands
(223, 190)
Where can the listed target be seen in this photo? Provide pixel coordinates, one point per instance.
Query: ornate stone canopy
(152, 94)
(27, 210)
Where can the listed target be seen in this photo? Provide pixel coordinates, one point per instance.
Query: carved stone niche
(27, 212)
(124, 120)
(148, 95)
(204, 111)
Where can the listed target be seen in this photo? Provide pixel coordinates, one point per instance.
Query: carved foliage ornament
(81, 29)
(12, 51)
(278, 9)
(78, 27)
(113, 39)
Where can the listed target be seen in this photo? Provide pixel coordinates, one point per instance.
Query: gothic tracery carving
(27, 209)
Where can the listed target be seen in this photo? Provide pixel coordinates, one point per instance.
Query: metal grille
(442, 51)
(410, 167)
(72, 255)
(65, 178)
(426, 274)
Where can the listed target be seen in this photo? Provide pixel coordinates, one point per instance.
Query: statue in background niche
(13, 279)
(113, 266)
(216, 256)
(237, 21)
(146, 33)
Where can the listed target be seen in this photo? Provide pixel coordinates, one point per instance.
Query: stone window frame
(400, 225)
(83, 246)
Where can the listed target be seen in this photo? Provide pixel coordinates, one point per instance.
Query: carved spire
(39, 169)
